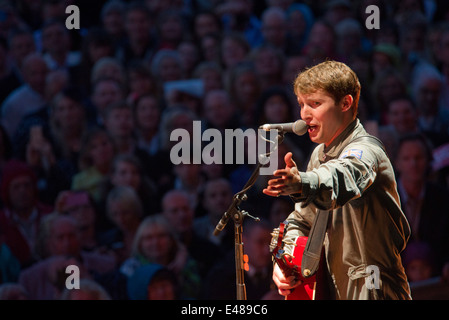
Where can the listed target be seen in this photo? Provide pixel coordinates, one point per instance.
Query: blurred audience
(88, 117)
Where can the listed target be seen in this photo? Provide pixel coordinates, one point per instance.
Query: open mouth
(312, 128)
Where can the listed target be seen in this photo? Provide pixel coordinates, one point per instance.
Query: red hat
(11, 170)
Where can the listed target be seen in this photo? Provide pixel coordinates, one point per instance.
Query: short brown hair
(336, 78)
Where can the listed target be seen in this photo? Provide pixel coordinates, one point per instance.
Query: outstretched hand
(287, 181)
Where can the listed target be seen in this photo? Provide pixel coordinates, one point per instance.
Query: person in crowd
(140, 37)
(22, 211)
(59, 246)
(433, 117)
(269, 65)
(119, 123)
(153, 282)
(124, 210)
(156, 243)
(112, 21)
(216, 199)
(110, 68)
(80, 206)
(234, 49)
(97, 44)
(29, 97)
(58, 47)
(96, 157)
(141, 82)
(180, 214)
(105, 91)
(244, 88)
(211, 74)
(402, 115)
(20, 43)
(422, 200)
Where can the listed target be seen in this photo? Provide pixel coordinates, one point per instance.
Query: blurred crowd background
(86, 116)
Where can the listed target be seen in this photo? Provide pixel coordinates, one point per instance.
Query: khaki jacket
(367, 230)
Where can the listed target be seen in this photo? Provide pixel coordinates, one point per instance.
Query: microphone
(298, 127)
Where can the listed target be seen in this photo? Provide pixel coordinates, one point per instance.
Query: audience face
(412, 162)
(268, 64)
(101, 150)
(22, 193)
(113, 23)
(126, 174)
(140, 84)
(162, 289)
(123, 215)
(210, 48)
(218, 109)
(402, 116)
(418, 270)
(147, 113)
(55, 39)
(156, 243)
(64, 238)
(257, 245)
(35, 71)
(105, 93)
(274, 29)
(68, 114)
(233, 52)
(137, 25)
(119, 123)
(276, 110)
(428, 96)
(170, 69)
(246, 88)
(217, 198)
(205, 24)
(177, 209)
(21, 46)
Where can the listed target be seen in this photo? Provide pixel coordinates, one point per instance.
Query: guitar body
(292, 267)
(305, 291)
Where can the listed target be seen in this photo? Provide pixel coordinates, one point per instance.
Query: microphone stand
(238, 215)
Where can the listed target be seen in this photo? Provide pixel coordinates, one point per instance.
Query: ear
(346, 102)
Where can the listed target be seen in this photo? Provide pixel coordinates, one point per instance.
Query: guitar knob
(306, 272)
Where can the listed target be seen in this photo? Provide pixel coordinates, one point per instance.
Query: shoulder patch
(357, 153)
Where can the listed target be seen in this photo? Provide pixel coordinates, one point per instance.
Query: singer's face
(325, 118)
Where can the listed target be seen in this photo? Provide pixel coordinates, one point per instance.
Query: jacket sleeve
(333, 184)
(341, 180)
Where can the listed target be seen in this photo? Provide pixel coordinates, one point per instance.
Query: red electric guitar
(305, 291)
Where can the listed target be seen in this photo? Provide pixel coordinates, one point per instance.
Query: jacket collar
(334, 149)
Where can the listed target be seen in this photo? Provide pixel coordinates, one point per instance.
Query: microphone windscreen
(299, 127)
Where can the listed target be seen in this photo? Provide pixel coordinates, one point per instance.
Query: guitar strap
(312, 252)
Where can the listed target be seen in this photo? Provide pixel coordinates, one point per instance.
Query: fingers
(288, 158)
(284, 285)
(271, 192)
(281, 172)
